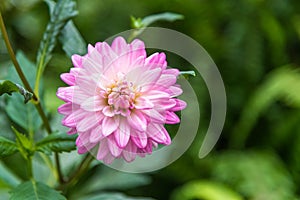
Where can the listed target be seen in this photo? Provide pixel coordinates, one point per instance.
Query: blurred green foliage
(255, 44)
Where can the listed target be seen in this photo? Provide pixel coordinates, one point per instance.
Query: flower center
(121, 98)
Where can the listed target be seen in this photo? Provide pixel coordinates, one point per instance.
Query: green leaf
(63, 11)
(70, 38)
(24, 145)
(186, 74)
(7, 177)
(281, 84)
(112, 196)
(72, 41)
(32, 190)
(56, 142)
(167, 16)
(254, 174)
(9, 87)
(7, 147)
(25, 116)
(205, 190)
(138, 24)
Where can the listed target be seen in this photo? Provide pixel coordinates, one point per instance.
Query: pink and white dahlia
(118, 100)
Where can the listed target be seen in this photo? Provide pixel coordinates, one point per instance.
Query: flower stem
(29, 167)
(36, 101)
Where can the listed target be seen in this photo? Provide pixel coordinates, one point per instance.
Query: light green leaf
(25, 116)
(56, 142)
(112, 196)
(25, 146)
(32, 190)
(167, 16)
(72, 41)
(7, 147)
(9, 87)
(205, 190)
(139, 24)
(186, 74)
(63, 11)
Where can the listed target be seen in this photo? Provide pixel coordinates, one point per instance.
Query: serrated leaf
(56, 142)
(7, 147)
(32, 190)
(72, 41)
(25, 116)
(63, 11)
(24, 145)
(9, 87)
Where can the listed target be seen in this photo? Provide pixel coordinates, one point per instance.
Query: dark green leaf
(72, 41)
(7, 147)
(32, 190)
(7, 178)
(57, 142)
(25, 116)
(254, 174)
(9, 87)
(63, 11)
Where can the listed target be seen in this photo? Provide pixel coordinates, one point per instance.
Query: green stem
(29, 166)
(13, 58)
(84, 165)
(28, 87)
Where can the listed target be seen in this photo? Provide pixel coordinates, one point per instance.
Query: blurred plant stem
(74, 177)
(35, 100)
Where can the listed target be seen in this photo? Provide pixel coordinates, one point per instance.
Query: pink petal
(119, 45)
(68, 78)
(109, 125)
(108, 111)
(77, 61)
(103, 150)
(155, 116)
(171, 118)
(94, 103)
(159, 134)
(72, 119)
(65, 109)
(156, 60)
(96, 134)
(137, 121)
(139, 138)
(113, 147)
(122, 134)
(180, 105)
(88, 122)
(143, 103)
(129, 153)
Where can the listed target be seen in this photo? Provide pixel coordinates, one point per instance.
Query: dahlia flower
(118, 100)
